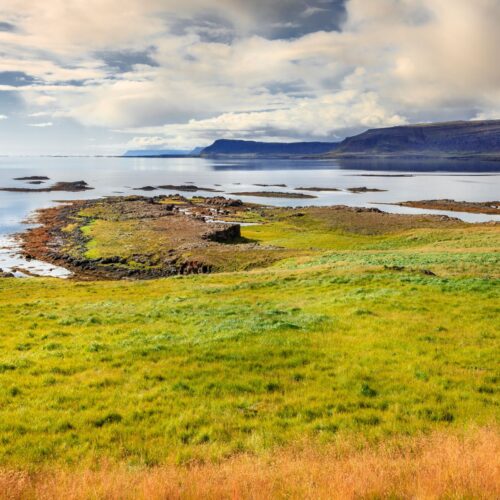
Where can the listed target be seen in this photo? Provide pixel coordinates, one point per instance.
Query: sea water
(111, 176)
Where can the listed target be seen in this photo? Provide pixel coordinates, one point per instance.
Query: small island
(275, 194)
(480, 207)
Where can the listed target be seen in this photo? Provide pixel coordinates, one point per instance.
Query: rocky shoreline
(140, 237)
(60, 237)
(6, 274)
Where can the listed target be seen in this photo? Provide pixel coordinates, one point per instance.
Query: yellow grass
(441, 465)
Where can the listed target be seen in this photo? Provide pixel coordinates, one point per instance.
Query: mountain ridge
(231, 147)
(475, 139)
(457, 139)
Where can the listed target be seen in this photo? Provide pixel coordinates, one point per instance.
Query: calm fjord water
(116, 176)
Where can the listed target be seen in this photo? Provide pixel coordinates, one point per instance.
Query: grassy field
(363, 333)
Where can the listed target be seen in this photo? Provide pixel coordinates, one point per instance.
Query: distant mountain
(196, 151)
(449, 140)
(463, 139)
(226, 147)
(138, 153)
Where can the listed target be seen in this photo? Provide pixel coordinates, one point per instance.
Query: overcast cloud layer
(100, 76)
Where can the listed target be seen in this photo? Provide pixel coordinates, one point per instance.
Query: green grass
(209, 366)
(325, 343)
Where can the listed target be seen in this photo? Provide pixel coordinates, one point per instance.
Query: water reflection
(422, 165)
(380, 165)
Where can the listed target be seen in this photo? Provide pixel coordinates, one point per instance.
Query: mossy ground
(276, 235)
(328, 340)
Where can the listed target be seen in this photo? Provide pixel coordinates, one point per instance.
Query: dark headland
(449, 140)
(226, 147)
(464, 139)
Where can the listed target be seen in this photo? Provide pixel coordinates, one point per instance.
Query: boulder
(6, 274)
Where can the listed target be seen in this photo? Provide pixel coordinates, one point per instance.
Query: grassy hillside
(367, 327)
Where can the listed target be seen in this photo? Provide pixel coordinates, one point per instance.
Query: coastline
(331, 187)
(197, 236)
(60, 236)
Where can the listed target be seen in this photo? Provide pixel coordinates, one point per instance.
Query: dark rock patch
(71, 187)
(384, 175)
(275, 194)
(271, 185)
(5, 274)
(188, 188)
(365, 190)
(318, 189)
(221, 202)
(32, 178)
(224, 234)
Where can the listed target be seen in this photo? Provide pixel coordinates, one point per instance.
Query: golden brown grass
(441, 465)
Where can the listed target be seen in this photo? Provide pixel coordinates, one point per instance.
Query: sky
(104, 76)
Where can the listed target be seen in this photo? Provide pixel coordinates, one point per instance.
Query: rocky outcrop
(186, 231)
(224, 233)
(221, 202)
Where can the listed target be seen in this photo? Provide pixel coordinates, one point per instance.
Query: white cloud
(394, 61)
(311, 11)
(3, 117)
(327, 118)
(41, 125)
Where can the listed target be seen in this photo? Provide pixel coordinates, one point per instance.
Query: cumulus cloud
(186, 73)
(328, 118)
